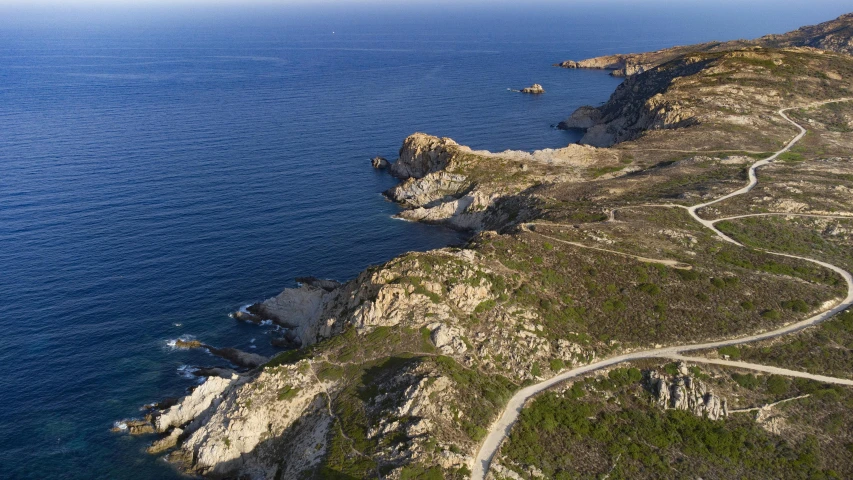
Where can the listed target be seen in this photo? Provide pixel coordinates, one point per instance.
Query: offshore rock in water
(379, 162)
(188, 344)
(237, 357)
(134, 427)
(534, 89)
(327, 285)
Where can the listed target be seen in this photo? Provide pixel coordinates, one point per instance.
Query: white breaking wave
(171, 343)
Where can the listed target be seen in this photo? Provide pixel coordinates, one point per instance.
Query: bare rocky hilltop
(712, 202)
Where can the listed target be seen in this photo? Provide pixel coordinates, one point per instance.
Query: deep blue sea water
(159, 169)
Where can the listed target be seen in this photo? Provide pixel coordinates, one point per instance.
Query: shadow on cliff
(509, 211)
(292, 450)
(288, 452)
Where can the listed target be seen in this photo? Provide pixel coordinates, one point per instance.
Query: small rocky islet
(535, 89)
(403, 370)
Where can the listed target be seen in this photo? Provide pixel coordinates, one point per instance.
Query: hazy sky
(537, 5)
(714, 19)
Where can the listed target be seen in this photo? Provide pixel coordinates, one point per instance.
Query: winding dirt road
(501, 428)
(785, 214)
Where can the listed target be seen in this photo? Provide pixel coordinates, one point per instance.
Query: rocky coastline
(401, 370)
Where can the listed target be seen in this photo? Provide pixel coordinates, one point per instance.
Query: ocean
(160, 168)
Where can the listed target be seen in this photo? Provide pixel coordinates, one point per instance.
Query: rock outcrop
(534, 89)
(683, 392)
(203, 397)
(303, 311)
(234, 436)
(447, 339)
(233, 355)
(582, 118)
(445, 183)
(431, 190)
(422, 154)
(134, 427)
(167, 442)
(379, 162)
(239, 357)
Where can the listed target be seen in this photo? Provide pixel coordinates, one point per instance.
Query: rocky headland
(576, 255)
(833, 36)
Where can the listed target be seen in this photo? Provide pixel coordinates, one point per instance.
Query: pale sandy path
(669, 263)
(629, 150)
(501, 428)
(763, 368)
(781, 214)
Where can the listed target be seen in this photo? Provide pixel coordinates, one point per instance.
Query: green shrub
(730, 350)
(687, 274)
(771, 314)
(613, 305)
(287, 392)
(778, 385)
(791, 157)
(418, 472)
(484, 306)
(797, 305)
(535, 370)
(557, 364)
(748, 380)
(625, 376)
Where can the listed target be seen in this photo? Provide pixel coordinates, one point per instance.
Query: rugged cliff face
(709, 88)
(442, 184)
(423, 154)
(449, 184)
(638, 105)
